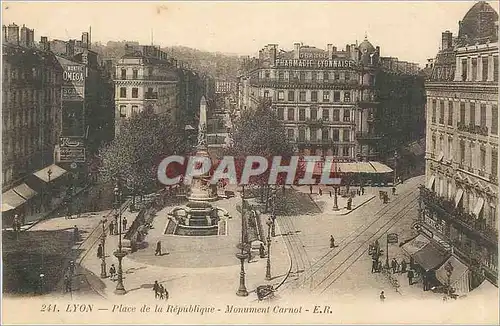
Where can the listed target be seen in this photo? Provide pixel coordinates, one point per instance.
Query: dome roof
(478, 24)
(366, 46)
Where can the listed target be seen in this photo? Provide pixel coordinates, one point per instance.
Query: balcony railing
(459, 216)
(473, 129)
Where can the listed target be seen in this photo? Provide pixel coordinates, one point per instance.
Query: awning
(478, 207)
(429, 257)
(365, 167)
(485, 290)
(459, 278)
(381, 168)
(415, 245)
(440, 156)
(347, 167)
(11, 200)
(431, 182)
(55, 172)
(458, 197)
(25, 191)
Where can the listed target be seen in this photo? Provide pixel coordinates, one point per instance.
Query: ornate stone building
(460, 196)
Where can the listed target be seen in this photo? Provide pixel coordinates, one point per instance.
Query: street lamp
(268, 266)
(335, 203)
(242, 255)
(120, 289)
(103, 239)
(395, 166)
(273, 217)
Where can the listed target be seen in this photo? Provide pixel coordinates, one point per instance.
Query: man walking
(332, 242)
(111, 228)
(124, 223)
(67, 283)
(410, 277)
(112, 272)
(156, 288)
(394, 265)
(382, 296)
(158, 249)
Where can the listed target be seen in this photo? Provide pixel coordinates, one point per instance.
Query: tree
(132, 158)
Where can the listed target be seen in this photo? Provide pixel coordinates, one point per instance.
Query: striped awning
(25, 191)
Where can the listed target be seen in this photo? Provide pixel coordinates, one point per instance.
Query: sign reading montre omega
(336, 63)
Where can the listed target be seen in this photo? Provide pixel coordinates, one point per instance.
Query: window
(345, 135)
(290, 114)
(474, 69)
(281, 113)
(291, 134)
(325, 114)
(347, 96)
(441, 112)
(347, 115)
(335, 150)
(314, 134)
(135, 92)
(347, 76)
(302, 76)
(494, 162)
(336, 76)
(325, 75)
(335, 134)
(433, 111)
(450, 148)
(484, 61)
(302, 96)
(267, 75)
(462, 112)
(302, 114)
(281, 76)
(482, 159)
(472, 115)
(123, 114)
(324, 134)
(482, 115)
(326, 96)
(266, 94)
(302, 134)
(470, 156)
(494, 119)
(462, 152)
(450, 113)
(150, 71)
(495, 68)
(314, 114)
(336, 96)
(464, 69)
(314, 76)
(281, 96)
(433, 148)
(345, 151)
(135, 109)
(135, 74)
(314, 96)
(123, 92)
(336, 115)
(124, 74)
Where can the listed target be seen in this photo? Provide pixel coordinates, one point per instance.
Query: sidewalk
(186, 283)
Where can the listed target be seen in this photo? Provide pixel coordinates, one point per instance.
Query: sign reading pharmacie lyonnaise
(315, 63)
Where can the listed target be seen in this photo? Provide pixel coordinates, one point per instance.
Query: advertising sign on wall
(73, 118)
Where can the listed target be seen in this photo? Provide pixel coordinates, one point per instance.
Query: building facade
(460, 196)
(332, 102)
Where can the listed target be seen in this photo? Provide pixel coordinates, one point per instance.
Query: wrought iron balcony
(457, 215)
(473, 129)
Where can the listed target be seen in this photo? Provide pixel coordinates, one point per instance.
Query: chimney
(348, 48)
(329, 49)
(85, 40)
(4, 34)
(31, 38)
(334, 49)
(272, 53)
(23, 39)
(296, 50)
(13, 34)
(446, 40)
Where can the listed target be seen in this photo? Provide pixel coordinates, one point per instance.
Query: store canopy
(458, 197)
(55, 172)
(478, 207)
(380, 168)
(485, 290)
(24, 191)
(431, 182)
(11, 200)
(429, 257)
(459, 278)
(415, 245)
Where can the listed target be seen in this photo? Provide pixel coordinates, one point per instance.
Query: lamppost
(395, 166)
(268, 266)
(335, 203)
(103, 240)
(120, 289)
(242, 255)
(273, 217)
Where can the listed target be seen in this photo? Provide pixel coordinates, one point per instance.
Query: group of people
(160, 291)
(114, 228)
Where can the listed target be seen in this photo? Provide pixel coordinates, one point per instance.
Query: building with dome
(461, 192)
(346, 103)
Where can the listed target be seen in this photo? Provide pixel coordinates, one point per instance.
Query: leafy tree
(132, 158)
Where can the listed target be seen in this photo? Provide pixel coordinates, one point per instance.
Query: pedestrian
(115, 226)
(310, 189)
(425, 281)
(320, 192)
(379, 267)
(112, 272)
(382, 296)
(362, 190)
(332, 242)
(111, 227)
(403, 266)
(158, 249)
(71, 268)
(161, 291)
(67, 283)
(330, 194)
(374, 266)
(393, 191)
(262, 251)
(124, 223)
(76, 234)
(410, 277)
(99, 251)
(394, 265)
(166, 294)
(156, 288)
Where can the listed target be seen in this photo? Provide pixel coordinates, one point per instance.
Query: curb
(355, 208)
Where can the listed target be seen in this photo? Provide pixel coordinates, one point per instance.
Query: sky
(408, 30)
